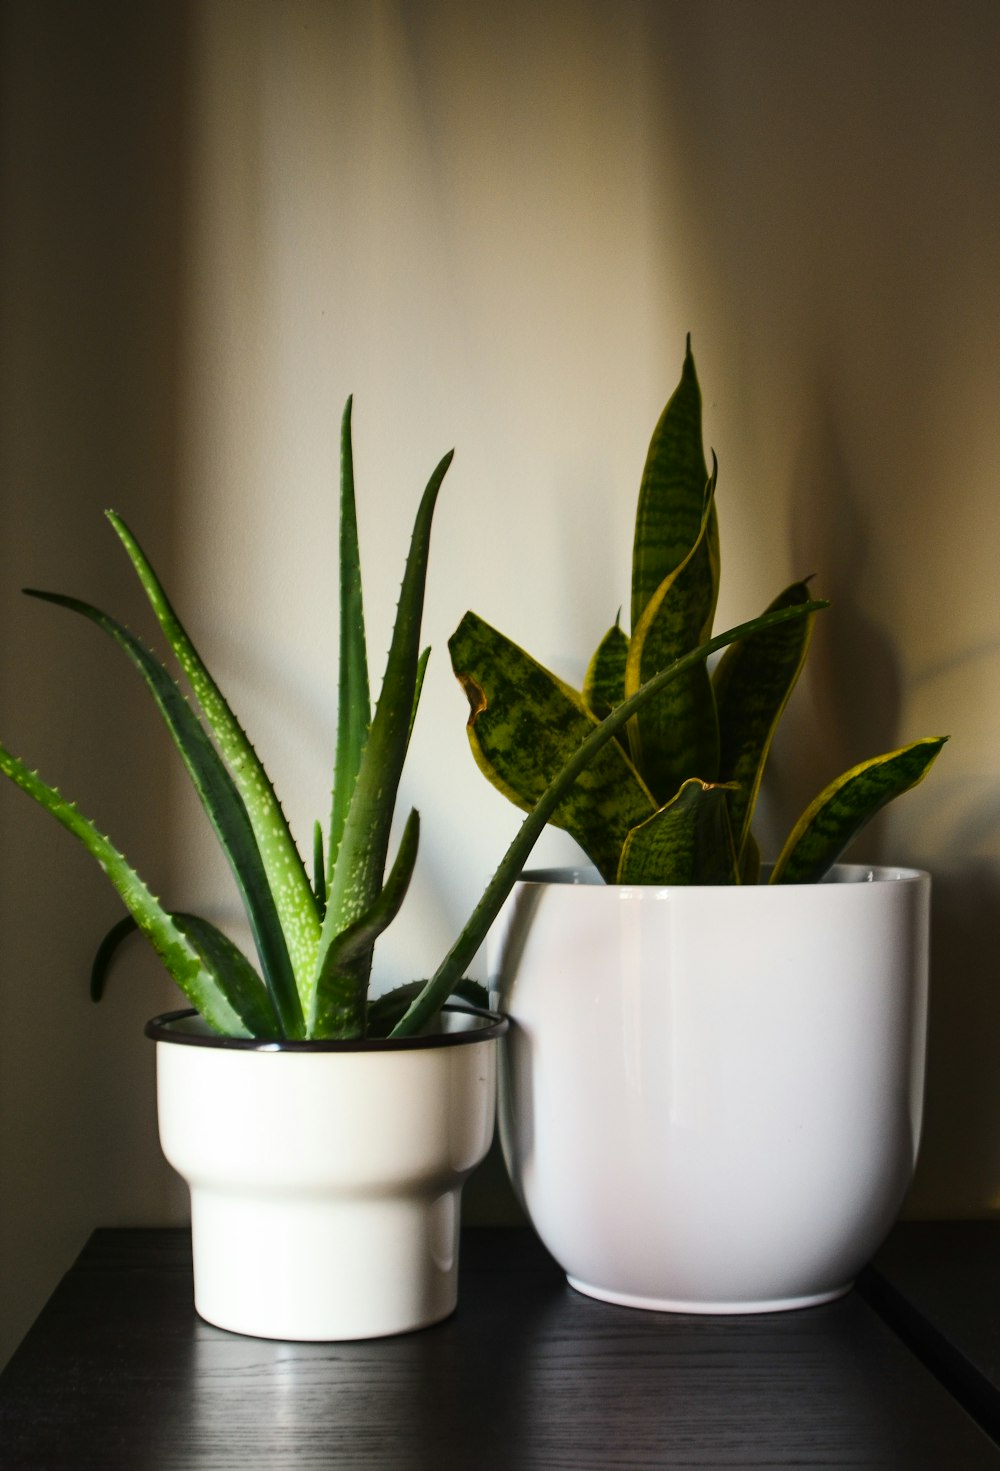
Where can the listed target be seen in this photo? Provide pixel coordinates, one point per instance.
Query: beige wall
(221, 216)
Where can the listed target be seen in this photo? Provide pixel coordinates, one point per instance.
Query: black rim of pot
(163, 1029)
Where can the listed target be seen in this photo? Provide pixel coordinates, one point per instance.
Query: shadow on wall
(92, 221)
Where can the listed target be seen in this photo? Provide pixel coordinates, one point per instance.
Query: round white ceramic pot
(710, 1098)
(326, 1177)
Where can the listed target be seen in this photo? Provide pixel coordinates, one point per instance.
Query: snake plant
(314, 934)
(672, 800)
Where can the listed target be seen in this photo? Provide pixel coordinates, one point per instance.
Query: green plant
(314, 936)
(672, 801)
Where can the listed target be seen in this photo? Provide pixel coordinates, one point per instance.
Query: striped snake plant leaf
(677, 736)
(361, 855)
(335, 1008)
(354, 707)
(282, 862)
(604, 684)
(844, 807)
(524, 724)
(224, 1009)
(752, 682)
(222, 804)
(453, 966)
(689, 841)
(672, 492)
(222, 957)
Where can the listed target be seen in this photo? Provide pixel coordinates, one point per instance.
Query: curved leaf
(286, 876)
(223, 806)
(689, 841)
(524, 724)
(203, 988)
(841, 810)
(335, 1011)
(752, 682)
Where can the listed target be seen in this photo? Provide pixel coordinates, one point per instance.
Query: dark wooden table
(119, 1374)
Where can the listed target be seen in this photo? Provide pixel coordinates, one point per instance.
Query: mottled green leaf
(752, 682)
(604, 685)
(672, 492)
(474, 932)
(689, 841)
(524, 724)
(841, 810)
(677, 736)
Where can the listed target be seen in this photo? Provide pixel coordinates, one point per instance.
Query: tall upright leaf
(361, 855)
(752, 682)
(354, 711)
(677, 736)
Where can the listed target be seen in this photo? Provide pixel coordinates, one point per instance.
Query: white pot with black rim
(326, 1177)
(711, 1097)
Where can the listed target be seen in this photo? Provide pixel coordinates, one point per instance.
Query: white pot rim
(465, 1025)
(585, 877)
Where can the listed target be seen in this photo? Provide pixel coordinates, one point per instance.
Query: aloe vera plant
(315, 935)
(671, 800)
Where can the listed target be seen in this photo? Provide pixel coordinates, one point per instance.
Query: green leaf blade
(689, 841)
(752, 683)
(524, 724)
(604, 684)
(361, 856)
(222, 805)
(475, 930)
(287, 878)
(844, 807)
(672, 491)
(180, 958)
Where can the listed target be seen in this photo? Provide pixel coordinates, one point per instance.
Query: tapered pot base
(677, 1305)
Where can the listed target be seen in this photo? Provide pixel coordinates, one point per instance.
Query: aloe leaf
(335, 1012)
(752, 682)
(438, 988)
(354, 709)
(203, 988)
(360, 861)
(225, 960)
(672, 492)
(689, 841)
(319, 870)
(677, 736)
(604, 685)
(524, 724)
(386, 1010)
(286, 875)
(223, 806)
(843, 808)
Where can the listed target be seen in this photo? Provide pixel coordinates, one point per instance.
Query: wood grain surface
(119, 1374)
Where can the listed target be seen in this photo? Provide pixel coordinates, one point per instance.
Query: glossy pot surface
(710, 1098)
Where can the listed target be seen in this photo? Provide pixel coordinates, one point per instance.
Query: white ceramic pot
(326, 1177)
(710, 1098)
